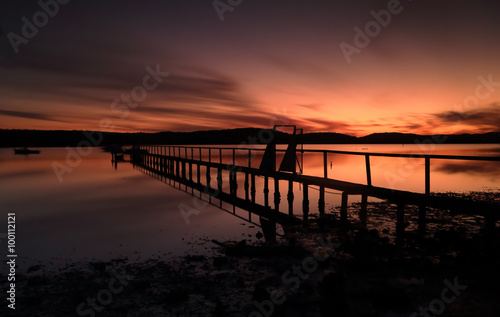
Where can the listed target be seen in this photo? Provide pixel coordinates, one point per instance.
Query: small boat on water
(25, 150)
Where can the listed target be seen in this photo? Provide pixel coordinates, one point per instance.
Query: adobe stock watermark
(406, 168)
(104, 297)
(223, 6)
(121, 106)
(264, 136)
(293, 278)
(438, 306)
(372, 29)
(31, 27)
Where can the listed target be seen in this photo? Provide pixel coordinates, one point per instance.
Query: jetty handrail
(410, 155)
(162, 150)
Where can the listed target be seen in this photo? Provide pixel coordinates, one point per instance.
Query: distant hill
(57, 138)
(408, 138)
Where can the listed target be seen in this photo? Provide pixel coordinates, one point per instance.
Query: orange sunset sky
(266, 62)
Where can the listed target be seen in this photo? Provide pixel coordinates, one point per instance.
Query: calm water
(99, 212)
(102, 213)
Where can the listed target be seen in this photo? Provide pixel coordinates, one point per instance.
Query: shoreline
(364, 274)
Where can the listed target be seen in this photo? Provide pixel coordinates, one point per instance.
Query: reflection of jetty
(184, 165)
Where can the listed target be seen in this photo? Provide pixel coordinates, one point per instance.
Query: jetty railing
(177, 152)
(176, 162)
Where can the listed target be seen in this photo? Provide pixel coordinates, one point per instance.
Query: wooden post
(208, 176)
(160, 162)
(191, 167)
(232, 182)
(343, 207)
(266, 191)
(219, 183)
(277, 195)
(169, 166)
(400, 223)
(363, 213)
(305, 203)
(247, 185)
(208, 172)
(290, 198)
(183, 169)
(198, 173)
(165, 162)
(252, 188)
(247, 176)
(177, 168)
(321, 202)
(169, 169)
(427, 175)
(162, 165)
(325, 165)
(368, 171)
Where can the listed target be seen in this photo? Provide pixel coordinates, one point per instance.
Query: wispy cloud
(485, 117)
(27, 115)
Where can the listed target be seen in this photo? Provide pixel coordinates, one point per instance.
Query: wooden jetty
(178, 164)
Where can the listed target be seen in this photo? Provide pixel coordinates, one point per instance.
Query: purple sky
(426, 71)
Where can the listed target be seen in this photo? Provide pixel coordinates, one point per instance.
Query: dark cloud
(215, 90)
(485, 118)
(329, 125)
(28, 115)
(103, 75)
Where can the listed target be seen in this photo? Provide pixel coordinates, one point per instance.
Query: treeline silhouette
(61, 138)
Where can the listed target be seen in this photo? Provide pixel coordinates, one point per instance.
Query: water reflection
(99, 212)
(489, 170)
